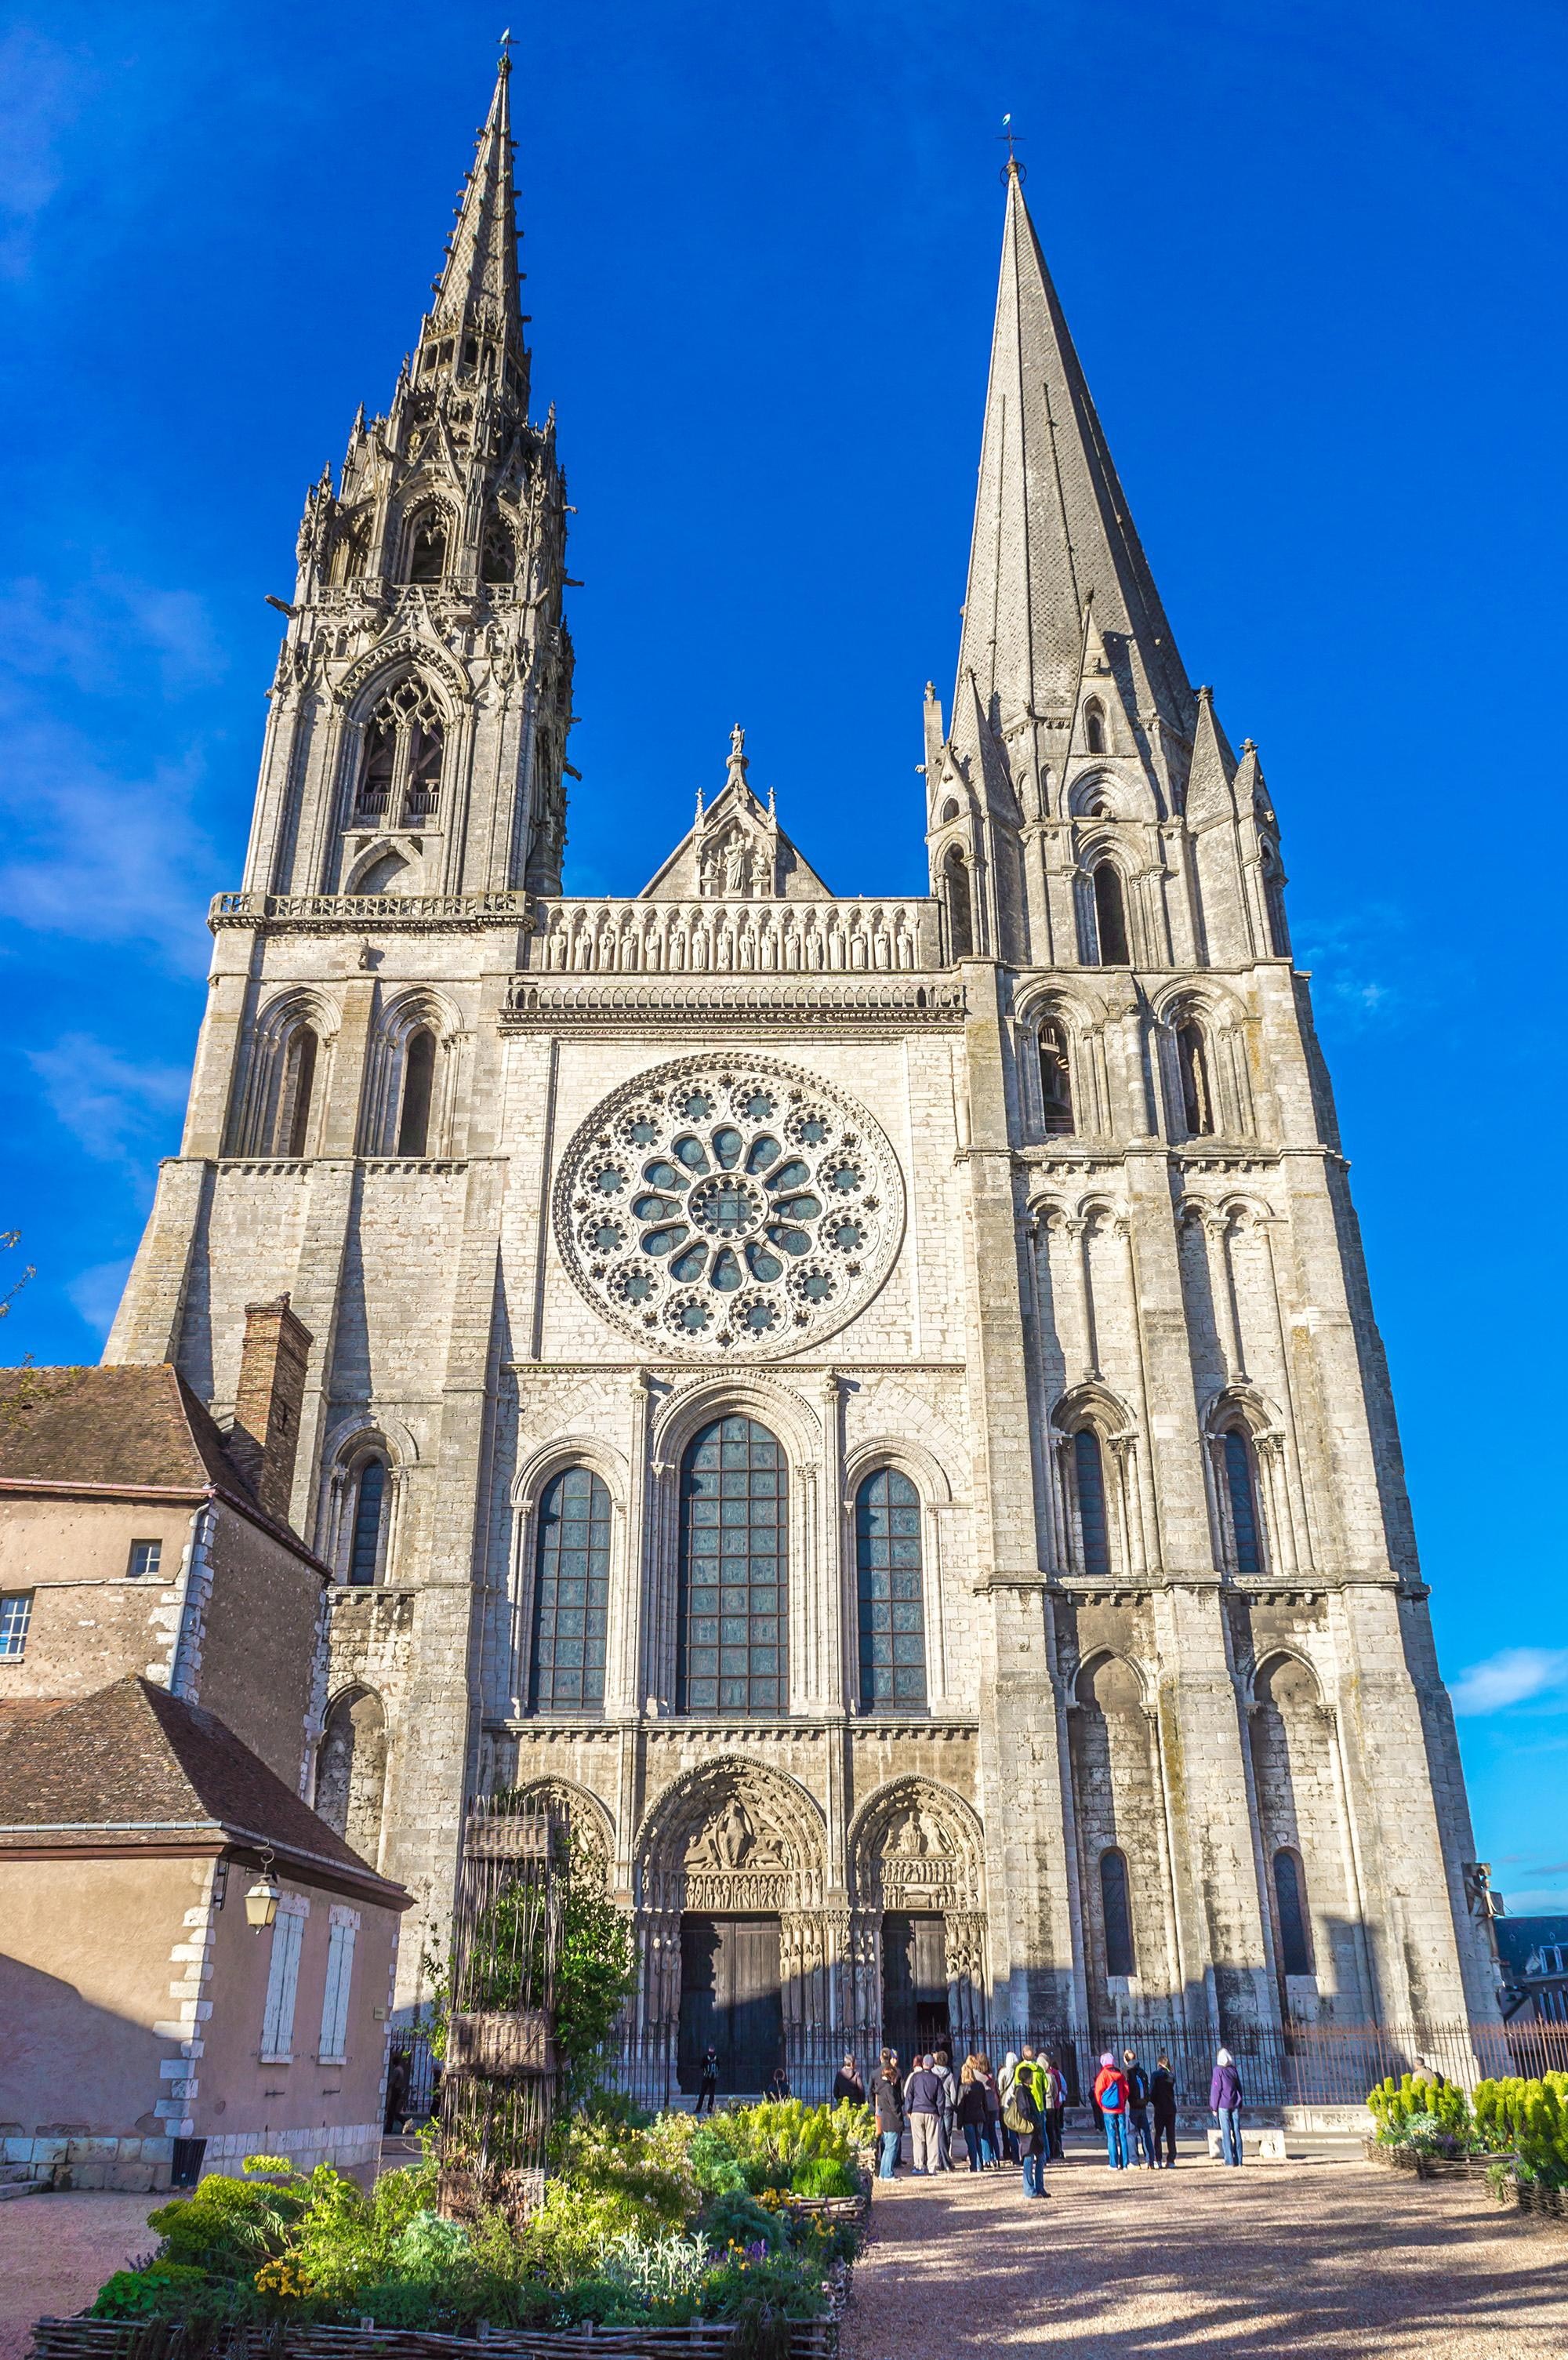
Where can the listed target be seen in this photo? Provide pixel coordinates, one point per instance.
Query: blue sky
(1312, 256)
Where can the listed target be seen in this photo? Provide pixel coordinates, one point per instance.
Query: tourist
(888, 2102)
(1224, 2097)
(942, 2067)
(397, 2079)
(1111, 2097)
(1056, 2108)
(970, 2114)
(848, 2089)
(778, 2088)
(1140, 2138)
(707, 2080)
(922, 2098)
(992, 2137)
(1027, 2126)
(1162, 2098)
(1005, 2079)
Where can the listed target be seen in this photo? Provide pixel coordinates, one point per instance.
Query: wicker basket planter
(94, 2339)
(500, 2044)
(1430, 2167)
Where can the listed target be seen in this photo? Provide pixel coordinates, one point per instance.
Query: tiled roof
(125, 1426)
(135, 1765)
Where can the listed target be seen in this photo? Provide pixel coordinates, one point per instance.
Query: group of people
(1016, 2117)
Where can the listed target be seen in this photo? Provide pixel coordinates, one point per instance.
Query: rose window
(729, 1210)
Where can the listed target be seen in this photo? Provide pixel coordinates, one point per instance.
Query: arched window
(418, 1075)
(349, 551)
(1089, 1476)
(427, 547)
(1116, 1911)
(404, 742)
(960, 916)
(1295, 1942)
(498, 562)
(1055, 1077)
(291, 1123)
(1193, 1063)
(1110, 916)
(949, 811)
(369, 1503)
(733, 1622)
(1095, 727)
(1242, 1492)
(892, 1616)
(1274, 905)
(572, 1595)
(351, 1771)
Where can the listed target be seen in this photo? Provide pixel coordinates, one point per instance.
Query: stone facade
(1071, 1255)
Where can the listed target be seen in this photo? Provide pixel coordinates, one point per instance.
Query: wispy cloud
(1363, 962)
(101, 631)
(96, 1293)
(114, 1108)
(1514, 1675)
(40, 96)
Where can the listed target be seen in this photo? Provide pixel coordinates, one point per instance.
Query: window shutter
(282, 1983)
(334, 2003)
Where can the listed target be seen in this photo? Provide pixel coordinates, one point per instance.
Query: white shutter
(282, 1982)
(339, 1975)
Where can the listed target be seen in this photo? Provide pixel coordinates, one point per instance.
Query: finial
(772, 806)
(504, 62)
(736, 765)
(699, 806)
(1012, 170)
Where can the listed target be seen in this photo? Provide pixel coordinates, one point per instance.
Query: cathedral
(872, 1405)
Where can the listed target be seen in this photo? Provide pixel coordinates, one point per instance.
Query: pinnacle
(477, 294)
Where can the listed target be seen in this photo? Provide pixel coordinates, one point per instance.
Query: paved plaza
(1316, 2259)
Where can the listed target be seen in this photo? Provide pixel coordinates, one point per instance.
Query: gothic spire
(478, 298)
(1052, 523)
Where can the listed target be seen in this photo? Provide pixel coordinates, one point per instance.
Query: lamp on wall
(262, 1900)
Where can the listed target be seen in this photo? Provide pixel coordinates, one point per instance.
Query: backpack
(1013, 2116)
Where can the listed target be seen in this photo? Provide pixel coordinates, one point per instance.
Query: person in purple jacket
(1224, 2097)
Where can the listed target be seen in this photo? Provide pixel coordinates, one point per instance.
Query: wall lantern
(262, 1900)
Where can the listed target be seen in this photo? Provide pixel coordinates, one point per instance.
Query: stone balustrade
(735, 937)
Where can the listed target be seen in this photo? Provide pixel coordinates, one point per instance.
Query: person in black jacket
(1142, 2139)
(1032, 2138)
(848, 2089)
(1162, 2098)
(888, 2098)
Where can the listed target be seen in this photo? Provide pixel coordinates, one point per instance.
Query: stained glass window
(1243, 1502)
(1295, 1950)
(892, 1616)
(572, 1594)
(734, 1548)
(1094, 1528)
(1116, 1907)
(366, 1544)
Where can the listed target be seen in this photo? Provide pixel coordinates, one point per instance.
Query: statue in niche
(917, 1835)
(726, 1841)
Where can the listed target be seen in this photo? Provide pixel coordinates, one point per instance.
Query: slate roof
(137, 1768)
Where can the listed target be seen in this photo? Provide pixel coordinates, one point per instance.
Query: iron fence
(1294, 2065)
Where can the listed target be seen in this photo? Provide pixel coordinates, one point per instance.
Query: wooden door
(914, 1983)
(730, 1999)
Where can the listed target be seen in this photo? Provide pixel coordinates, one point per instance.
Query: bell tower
(416, 742)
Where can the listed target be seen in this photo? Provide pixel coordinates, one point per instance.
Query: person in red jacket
(1112, 2097)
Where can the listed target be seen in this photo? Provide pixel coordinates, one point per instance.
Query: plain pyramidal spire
(478, 297)
(1053, 535)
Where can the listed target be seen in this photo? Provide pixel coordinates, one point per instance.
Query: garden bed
(90, 2339)
(1422, 2166)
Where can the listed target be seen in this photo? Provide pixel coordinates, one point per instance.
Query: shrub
(1418, 2112)
(229, 2227)
(1530, 2117)
(735, 2218)
(161, 2290)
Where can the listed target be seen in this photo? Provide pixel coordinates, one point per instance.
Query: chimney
(268, 1409)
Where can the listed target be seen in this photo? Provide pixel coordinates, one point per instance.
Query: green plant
(229, 2227)
(1530, 2117)
(758, 2295)
(1418, 2112)
(158, 2290)
(824, 2175)
(734, 2218)
(665, 2272)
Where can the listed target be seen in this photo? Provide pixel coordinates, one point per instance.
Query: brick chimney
(266, 1432)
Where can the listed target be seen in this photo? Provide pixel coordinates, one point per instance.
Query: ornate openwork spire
(478, 306)
(1052, 523)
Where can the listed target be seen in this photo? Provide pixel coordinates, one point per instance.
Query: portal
(730, 2000)
(914, 1983)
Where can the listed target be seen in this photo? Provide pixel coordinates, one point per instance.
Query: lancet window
(733, 1627)
(1095, 727)
(427, 547)
(959, 913)
(1055, 1077)
(1274, 903)
(1241, 1492)
(403, 743)
(1089, 1483)
(1192, 1065)
(888, 1576)
(1290, 1898)
(572, 1595)
(419, 1078)
(498, 558)
(291, 1119)
(1116, 1914)
(1110, 916)
(369, 1516)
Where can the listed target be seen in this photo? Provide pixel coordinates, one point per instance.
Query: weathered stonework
(1113, 1333)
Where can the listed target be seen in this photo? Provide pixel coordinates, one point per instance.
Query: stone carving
(733, 1210)
(730, 1842)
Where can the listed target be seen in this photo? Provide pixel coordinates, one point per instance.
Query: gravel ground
(57, 2251)
(1318, 2259)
